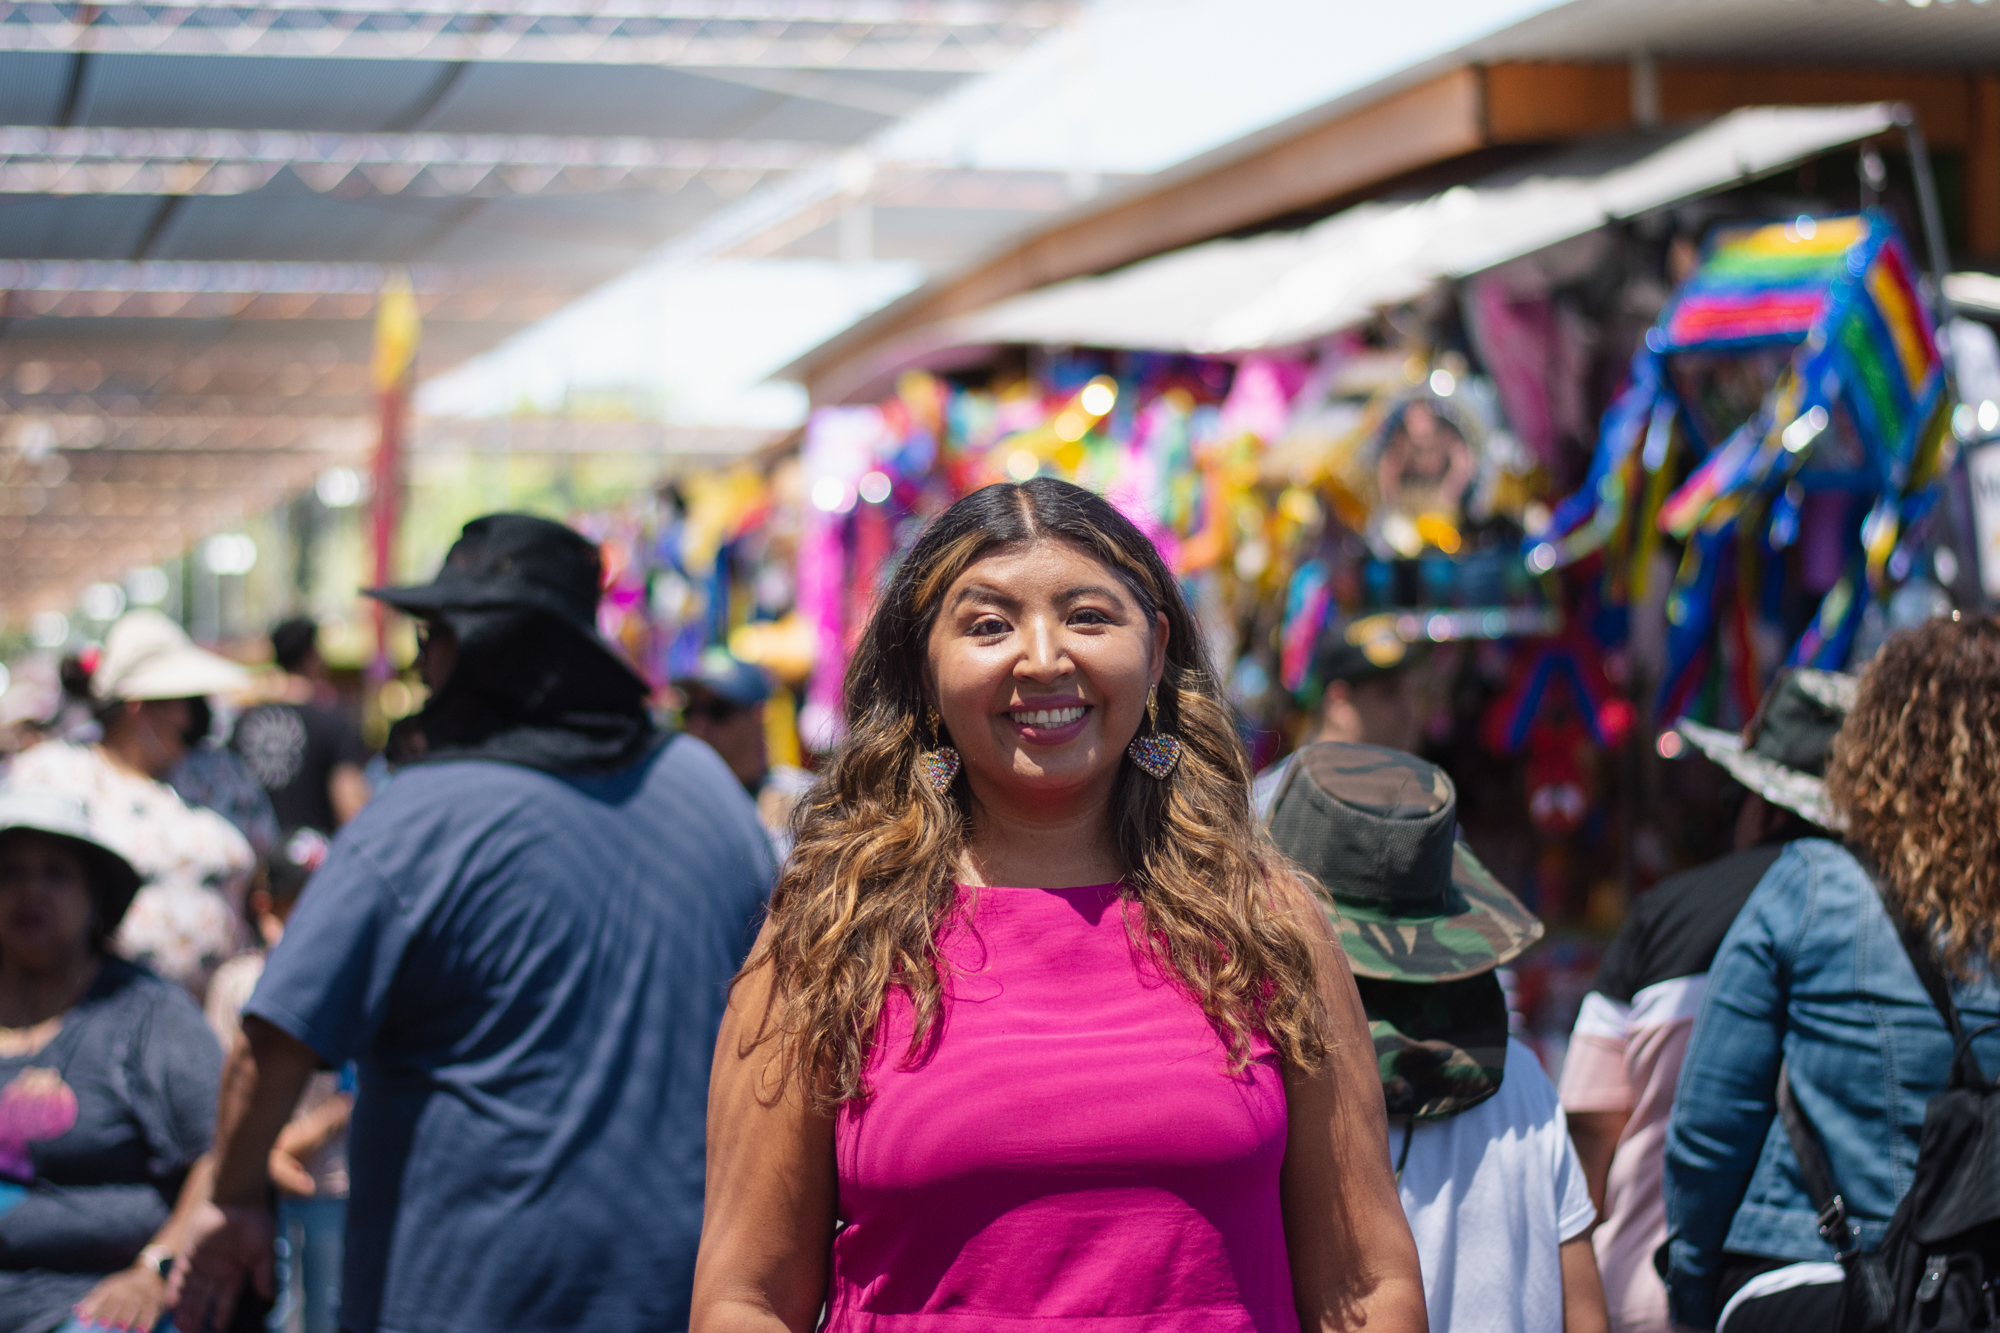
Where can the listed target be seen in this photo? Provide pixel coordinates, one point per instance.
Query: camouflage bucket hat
(1378, 828)
(1440, 1047)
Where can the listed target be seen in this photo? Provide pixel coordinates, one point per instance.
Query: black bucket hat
(1782, 754)
(511, 561)
(1378, 828)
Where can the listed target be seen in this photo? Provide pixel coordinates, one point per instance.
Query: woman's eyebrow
(1090, 590)
(980, 592)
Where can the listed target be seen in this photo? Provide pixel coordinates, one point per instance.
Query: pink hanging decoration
(1126, 500)
(1517, 339)
(1260, 399)
(839, 447)
(821, 576)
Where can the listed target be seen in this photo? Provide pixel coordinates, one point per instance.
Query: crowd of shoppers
(722, 704)
(149, 692)
(1631, 1035)
(309, 1162)
(1048, 1015)
(1817, 986)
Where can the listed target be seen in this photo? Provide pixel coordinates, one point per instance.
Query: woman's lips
(1049, 724)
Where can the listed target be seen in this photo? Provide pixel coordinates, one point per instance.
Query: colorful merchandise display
(1786, 420)
(1354, 491)
(1760, 481)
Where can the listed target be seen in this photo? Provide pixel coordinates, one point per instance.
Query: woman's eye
(986, 626)
(1087, 616)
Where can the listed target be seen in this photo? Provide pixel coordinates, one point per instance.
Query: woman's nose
(1044, 657)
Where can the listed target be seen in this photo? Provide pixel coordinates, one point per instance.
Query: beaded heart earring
(1155, 753)
(940, 764)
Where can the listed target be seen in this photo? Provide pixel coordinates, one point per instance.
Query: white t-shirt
(1491, 1195)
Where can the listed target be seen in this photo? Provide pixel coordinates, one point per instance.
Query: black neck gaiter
(528, 689)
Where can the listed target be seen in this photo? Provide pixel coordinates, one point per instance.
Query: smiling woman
(1052, 1031)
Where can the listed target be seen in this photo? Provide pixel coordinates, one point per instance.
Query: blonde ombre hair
(870, 885)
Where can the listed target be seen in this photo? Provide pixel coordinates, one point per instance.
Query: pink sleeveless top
(1073, 1148)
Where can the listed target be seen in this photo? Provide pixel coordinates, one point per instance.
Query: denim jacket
(1811, 973)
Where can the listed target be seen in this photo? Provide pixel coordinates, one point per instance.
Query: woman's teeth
(1047, 717)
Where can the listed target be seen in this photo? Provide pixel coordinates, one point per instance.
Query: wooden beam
(1510, 102)
(1536, 101)
(1982, 169)
(1437, 119)
(1942, 101)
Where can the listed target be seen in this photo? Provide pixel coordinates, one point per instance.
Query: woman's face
(1041, 659)
(154, 732)
(437, 652)
(45, 901)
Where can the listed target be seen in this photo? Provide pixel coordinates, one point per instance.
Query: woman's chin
(1034, 776)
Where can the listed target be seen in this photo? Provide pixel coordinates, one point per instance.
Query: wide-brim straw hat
(147, 656)
(55, 814)
(1782, 754)
(1378, 828)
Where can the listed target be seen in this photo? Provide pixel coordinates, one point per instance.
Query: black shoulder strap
(1814, 1173)
(1965, 1065)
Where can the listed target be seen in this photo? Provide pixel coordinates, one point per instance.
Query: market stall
(1364, 432)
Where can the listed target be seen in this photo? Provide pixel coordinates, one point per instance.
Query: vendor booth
(1589, 445)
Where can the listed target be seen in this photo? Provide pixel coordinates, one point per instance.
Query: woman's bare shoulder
(1302, 899)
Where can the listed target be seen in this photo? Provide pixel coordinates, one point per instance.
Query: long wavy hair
(871, 883)
(1916, 770)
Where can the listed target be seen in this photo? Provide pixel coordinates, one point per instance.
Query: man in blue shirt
(525, 945)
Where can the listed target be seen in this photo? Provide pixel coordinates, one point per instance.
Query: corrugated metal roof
(277, 368)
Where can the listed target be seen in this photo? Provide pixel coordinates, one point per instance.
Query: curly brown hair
(871, 883)
(1916, 771)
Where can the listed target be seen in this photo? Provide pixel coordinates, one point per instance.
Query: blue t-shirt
(529, 972)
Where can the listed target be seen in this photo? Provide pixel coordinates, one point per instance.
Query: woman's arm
(230, 1232)
(767, 1223)
(1596, 1135)
(1353, 1261)
(136, 1297)
(1583, 1290)
(304, 1136)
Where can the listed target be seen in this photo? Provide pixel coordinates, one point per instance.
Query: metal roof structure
(200, 202)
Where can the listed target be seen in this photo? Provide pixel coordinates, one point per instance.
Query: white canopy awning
(1977, 292)
(1287, 288)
